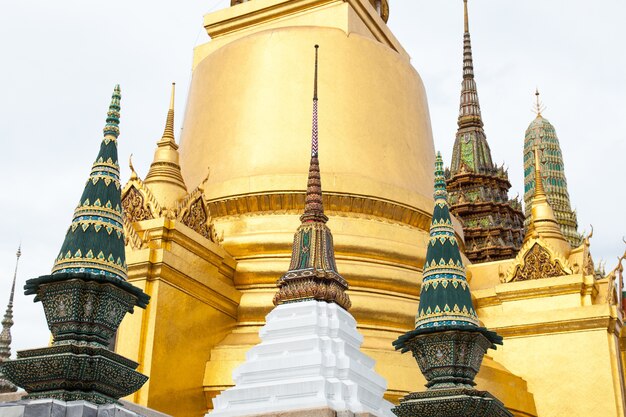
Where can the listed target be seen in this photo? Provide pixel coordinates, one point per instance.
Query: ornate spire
(313, 272)
(492, 223)
(541, 133)
(86, 296)
(445, 298)
(448, 341)
(94, 242)
(469, 111)
(5, 336)
(7, 321)
(313, 205)
(543, 222)
(165, 169)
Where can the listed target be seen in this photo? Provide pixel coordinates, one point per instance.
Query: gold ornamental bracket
(537, 260)
(139, 204)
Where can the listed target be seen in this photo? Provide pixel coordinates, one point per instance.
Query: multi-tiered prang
(448, 341)
(492, 224)
(86, 296)
(541, 133)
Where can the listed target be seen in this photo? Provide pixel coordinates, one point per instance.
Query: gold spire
(542, 221)
(539, 190)
(164, 177)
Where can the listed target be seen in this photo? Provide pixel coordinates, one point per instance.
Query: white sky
(60, 61)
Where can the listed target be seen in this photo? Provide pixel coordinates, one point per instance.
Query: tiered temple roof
(492, 223)
(541, 133)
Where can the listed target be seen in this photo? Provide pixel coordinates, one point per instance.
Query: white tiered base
(308, 358)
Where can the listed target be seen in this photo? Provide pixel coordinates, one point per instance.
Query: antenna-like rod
(314, 137)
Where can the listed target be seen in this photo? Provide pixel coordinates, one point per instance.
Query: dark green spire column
(448, 341)
(86, 296)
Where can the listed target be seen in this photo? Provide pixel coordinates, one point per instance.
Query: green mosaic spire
(541, 134)
(94, 242)
(445, 298)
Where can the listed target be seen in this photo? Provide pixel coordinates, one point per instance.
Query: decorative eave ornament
(312, 274)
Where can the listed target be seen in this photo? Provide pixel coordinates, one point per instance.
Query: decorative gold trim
(551, 263)
(336, 203)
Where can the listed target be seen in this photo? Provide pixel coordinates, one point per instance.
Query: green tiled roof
(94, 243)
(445, 298)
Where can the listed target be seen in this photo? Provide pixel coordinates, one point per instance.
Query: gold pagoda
(209, 229)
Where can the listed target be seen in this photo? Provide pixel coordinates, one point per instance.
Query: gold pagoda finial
(313, 205)
(542, 220)
(164, 177)
(539, 190)
(466, 16)
(168, 132)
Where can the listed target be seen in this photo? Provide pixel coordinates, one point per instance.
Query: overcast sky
(60, 61)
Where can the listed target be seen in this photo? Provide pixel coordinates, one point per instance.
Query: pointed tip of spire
(172, 96)
(313, 206)
(168, 132)
(465, 16)
(113, 115)
(539, 107)
(440, 180)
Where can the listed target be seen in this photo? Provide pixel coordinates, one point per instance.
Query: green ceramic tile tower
(448, 341)
(541, 133)
(86, 296)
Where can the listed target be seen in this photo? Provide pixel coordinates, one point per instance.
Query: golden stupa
(209, 230)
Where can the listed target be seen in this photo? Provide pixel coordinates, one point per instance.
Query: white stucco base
(309, 357)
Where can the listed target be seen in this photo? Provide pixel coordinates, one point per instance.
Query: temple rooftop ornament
(163, 193)
(381, 7)
(448, 341)
(541, 133)
(5, 336)
(312, 274)
(165, 173)
(309, 360)
(546, 251)
(86, 296)
(492, 223)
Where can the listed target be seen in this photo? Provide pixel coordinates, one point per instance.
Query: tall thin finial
(539, 190)
(314, 132)
(466, 16)
(168, 132)
(17, 260)
(7, 323)
(539, 107)
(313, 207)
